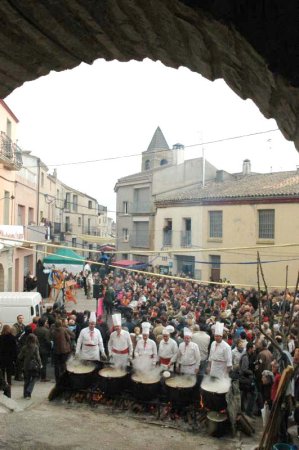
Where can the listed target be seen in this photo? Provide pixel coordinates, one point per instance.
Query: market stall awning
(130, 264)
(64, 256)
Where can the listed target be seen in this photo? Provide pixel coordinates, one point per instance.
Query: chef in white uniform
(168, 349)
(90, 343)
(146, 348)
(220, 358)
(120, 345)
(188, 355)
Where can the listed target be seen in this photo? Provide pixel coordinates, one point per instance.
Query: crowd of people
(175, 324)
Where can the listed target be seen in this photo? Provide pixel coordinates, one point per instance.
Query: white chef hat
(187, 332)
(219, 327)
(92, 317)
(116, 319)
(145, 327)
(165, 332)
(170, 328)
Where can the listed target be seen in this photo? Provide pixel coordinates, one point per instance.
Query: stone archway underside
(247, 43)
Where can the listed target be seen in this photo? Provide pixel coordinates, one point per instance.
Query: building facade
(225, 224)
(162, 170)
(35, 206)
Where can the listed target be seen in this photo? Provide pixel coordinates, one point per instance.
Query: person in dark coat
(8, 353)
(62, 348)
(42, 333)
(105, 332)
(109, 297)
(30, 357)
(18, 330)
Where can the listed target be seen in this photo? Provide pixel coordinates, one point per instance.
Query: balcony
(186, 238)
(68, 227)
(141, 207)
(167, 238)
(59, 237)
(37, 233)
(92, 231)
(139, 240)
(10, 153)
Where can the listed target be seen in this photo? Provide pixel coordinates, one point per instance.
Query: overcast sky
(112, 109)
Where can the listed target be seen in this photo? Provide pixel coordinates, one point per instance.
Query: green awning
(64, 256)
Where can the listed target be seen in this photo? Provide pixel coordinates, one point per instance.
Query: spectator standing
(42, 333)
(30, 357)
(8, 353)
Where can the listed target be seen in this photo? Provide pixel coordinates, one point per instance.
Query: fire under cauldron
(146, 387)
(80, 375)
(213, 393)
(112, 381)
(181, 389)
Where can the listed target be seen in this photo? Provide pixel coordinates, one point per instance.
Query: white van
(29, 304)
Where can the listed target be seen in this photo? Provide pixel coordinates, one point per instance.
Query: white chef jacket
(168, 350)
(188, 357)
(120, 343)
(148, 349)
(221, 359)
(90, 345)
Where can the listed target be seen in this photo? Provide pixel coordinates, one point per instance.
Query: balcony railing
(141, 207)
(10, 153)
(68, 227)
(167, 238)
(139, 240)
(92, 231)
(186, 238)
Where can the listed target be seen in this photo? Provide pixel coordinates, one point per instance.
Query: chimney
(179, 154)
(246, 167)
(219, 175)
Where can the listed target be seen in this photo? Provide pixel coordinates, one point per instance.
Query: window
(163, 162)
(215, 224)
(79, 221)
(140, 237)
(186, 233)
(147, 164)
(141, 202)
(266, 223)
(167, 232)
(30, 216)
(125, 234)
(89, 204)
(67, 200)
(6, 208)
(21, 215)
(74, 242)
(75, 203)
(125, 207)
(8, 128)
(42, 182)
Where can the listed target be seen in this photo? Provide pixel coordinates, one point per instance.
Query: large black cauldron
(113, 381)
(146, 387)
(181, 389)
(80, 375)
(213, 393)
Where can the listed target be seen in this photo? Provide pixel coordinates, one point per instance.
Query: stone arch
(235, 40)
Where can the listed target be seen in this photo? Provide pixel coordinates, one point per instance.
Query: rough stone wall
(36, 37)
